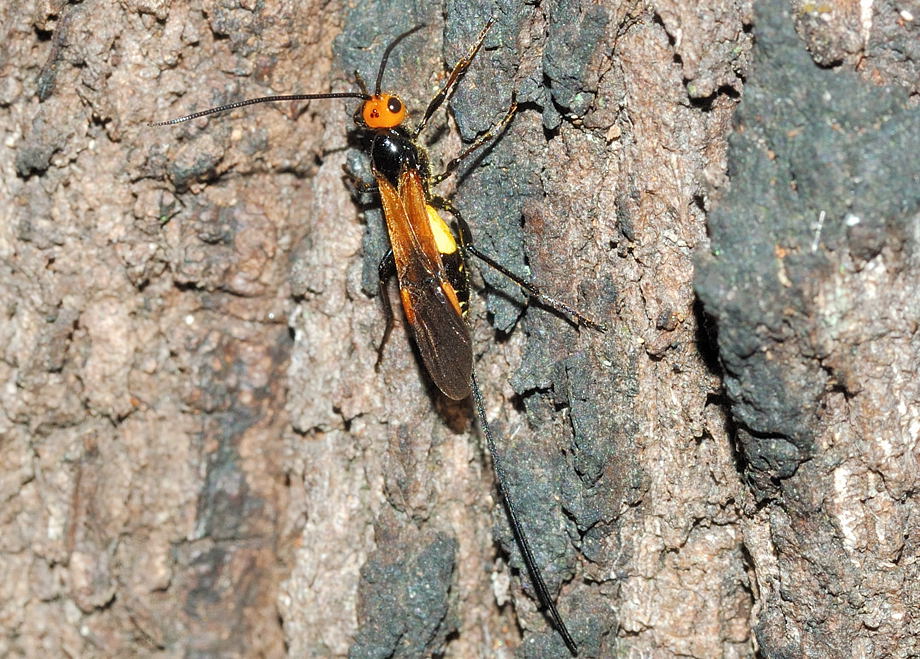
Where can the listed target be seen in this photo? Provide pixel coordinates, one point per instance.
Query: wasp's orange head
(383, 111)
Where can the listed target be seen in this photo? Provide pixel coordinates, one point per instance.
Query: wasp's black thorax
(392, 151)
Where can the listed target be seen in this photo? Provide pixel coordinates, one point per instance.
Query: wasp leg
(385, 272)
(362, 187)
(466, 243)
(361, 84)
(458, 71)
(481, 141)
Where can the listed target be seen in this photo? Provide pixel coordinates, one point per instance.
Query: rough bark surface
(813, 277)
(197, 456)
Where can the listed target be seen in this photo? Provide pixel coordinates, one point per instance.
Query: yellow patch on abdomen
(443, 238)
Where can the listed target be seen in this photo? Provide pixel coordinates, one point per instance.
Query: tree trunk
(199, 457)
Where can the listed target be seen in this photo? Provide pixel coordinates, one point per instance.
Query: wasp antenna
(386, 55)
(261, 99)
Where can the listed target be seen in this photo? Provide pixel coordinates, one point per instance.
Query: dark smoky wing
(442, 337)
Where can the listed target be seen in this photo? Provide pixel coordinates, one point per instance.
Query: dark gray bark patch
(814, 173)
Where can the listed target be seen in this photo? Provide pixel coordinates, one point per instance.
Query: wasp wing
(429, 300)
(442, 337)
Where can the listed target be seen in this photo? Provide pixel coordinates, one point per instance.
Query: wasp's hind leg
(385, 272)
(466, 243)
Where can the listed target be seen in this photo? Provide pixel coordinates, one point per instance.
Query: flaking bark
(199, 458)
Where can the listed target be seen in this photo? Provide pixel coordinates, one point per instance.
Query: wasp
(428, 256)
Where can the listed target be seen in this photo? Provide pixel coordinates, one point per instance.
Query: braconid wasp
(429, 257)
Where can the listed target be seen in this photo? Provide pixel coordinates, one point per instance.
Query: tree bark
(198, 456)
(812, 277)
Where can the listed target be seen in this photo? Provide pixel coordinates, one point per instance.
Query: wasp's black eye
(394, 105)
